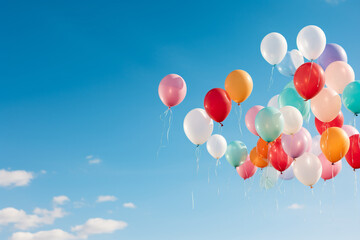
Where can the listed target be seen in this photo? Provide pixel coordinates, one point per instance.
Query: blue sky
(79, 82)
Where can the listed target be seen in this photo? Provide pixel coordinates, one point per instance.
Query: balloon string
(355, 184)
(162, 118)
(197, 155)
(192, 200)
(238, 111)
(170, 120)
(354, 121)
(271, 76)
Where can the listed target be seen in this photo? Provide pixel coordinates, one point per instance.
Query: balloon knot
(221, 124)
(238, 104)
(332, 163)
(281, 172)
(197, 145)
(311, 186)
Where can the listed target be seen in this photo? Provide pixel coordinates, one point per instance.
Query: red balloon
(217, 104)
(322, 126)
(353, 155)
(278, 158)
(309, 79)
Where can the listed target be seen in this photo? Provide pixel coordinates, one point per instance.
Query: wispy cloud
(334, 2)
(60, 200)
(129, 205)
(107, 198)
(295, 206)
(89, 156)
(17, 178)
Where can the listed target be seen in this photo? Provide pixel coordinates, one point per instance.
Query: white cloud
(334, 2)
(98, 226)
(56, 234)
(295, 206)
(94, 161)
(21, 220)
(43, 171)
(60, 200)
(106, 199)
(129, 205)
(15, 178)
(89, 157)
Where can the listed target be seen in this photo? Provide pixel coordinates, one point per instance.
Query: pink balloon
(250, 118)
(329, 170)
(350, 130)
(247, 169)
(172, 90)
(309, 139)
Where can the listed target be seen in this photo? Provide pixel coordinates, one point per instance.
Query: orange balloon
(239, 85)
(257, 160)
(262, 148)
(334, 144)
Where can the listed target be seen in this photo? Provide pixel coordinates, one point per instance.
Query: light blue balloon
(288, 174)
(236, 153)
(287, 67)
(351, 97)
(269, 178)
(269, 123)
(290, 97)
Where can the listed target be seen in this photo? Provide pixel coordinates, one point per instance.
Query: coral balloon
(250, 118)
(247, 169)
(329, 170)
(353, 155)
(326, 105)
(217, 104)
(257, 160)
(332, 53)
(309, 79)
(338, 75)
(239, 85)
(262, 148)
(351, 97)
(172, 90)
(334, 144)
(336, 122)
(278, 158)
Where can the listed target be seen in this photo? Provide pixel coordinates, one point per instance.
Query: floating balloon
(332, 53)
(239, 85)
(290, 63)
(329, 170)
(326, 105)
(292, 119)
(273, 48)
(269, 178)
(198, 126)
(289, 97)
(216, 146)
(338, 75)
(309, 79)
(172, 90)
(269, 123)
(353, 155)
(236, 153)
(250, 118)
(288, 174)
(278, 158)
(257, 160)
(311, 42)
(217, 104)
(274, 102)
(334, 144)
(315, 145)
(295, 145)
(262, 148)
(350, 130)
(351, 97)
(336, 122)
(307, 169)
(247, 169)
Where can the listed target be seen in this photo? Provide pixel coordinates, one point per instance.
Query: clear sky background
(80, 117)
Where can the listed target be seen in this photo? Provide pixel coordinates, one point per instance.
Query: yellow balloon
(239, 85)
(334, 144)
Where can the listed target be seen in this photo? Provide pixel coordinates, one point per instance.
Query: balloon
(172, 90)
(292, 119)
(250, 118)
(273, 48)
(338, 75)
(329, 170)
(334, 144)
(309, 139)
(309, 79)
(274, 102)
(289, 97)
(198, 126)
(290, 63)
(307, 169)
(278, 158)
(247, 169)
(332, 53)
(217, 104)
(216, 146)
(351, 97)
(239, 85)
(269, 178)
(311, 42)
(269, 123)
(353, 155)
(326, 105)
(315, 147)
(236, 153)
(288, 174)
(295, 145)
(257, 160)
(350, 130)
(336, 122)
(262, 148)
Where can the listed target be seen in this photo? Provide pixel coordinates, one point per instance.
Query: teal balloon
(351, 97)
(269, 123)
(269, 178)
(290, 97)
(290, 85)
(236, 153)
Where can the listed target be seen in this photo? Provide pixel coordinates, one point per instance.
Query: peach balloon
(257, 160)
(334, 144)
(326, 105)
(339, 74)
(239, 85)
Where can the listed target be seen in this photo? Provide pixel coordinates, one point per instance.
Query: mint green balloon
(290, 97)
(351, 97)
(236, 153)
(269, 123)
(290, 85)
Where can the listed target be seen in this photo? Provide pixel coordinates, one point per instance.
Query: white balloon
(273, 48)
(297, 58)
(315, 145)
(311, 42)
(198, 126)
(274, 102)
(293, 120)
(288, 174)
(307, 169)
(216, 146)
